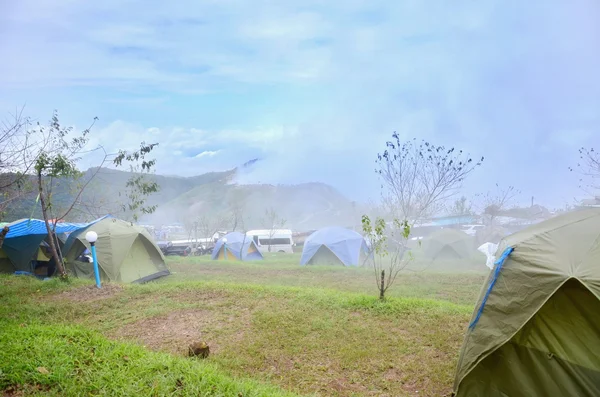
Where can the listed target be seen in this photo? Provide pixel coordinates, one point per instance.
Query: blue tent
(25, 236)
(334, 245)
(238, 247)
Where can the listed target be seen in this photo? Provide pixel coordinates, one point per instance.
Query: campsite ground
(273, 328)
(452, 280)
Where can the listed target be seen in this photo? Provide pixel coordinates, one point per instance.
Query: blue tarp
(30, 227)
(25, 236)
(235, 240)
(347, 245)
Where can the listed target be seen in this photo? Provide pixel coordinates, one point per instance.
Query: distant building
(591, 202)
(452, 220)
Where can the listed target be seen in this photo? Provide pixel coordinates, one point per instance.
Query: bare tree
(418, 178)
(126, 199)
(236, 204)
(271, 221)
(496, 201)
(100, 199)
(237, 207)
(209, 224)
(588, 168)
(383, 261)
(461, 206)
(18, 150)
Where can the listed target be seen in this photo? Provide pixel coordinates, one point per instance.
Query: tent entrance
(551, 355)
(138, 261)
(230, 254)
(324, 256)
(447, 252)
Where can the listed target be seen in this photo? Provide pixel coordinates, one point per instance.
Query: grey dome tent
(334, 245)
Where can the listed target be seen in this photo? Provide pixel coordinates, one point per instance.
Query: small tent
(126, 253)
(536, 325)
(22, 243)
(447, 244)
(236, 246)
(334, 246)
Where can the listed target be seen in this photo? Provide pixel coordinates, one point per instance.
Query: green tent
(126, 253)
(448, 244)
(536, 327)
(490, 234)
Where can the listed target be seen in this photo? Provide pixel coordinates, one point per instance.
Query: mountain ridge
(304, 206)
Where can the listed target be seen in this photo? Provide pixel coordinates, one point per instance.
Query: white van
(279, 240)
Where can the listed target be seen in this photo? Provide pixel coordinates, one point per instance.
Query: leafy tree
(56, 162)
(383, 260)
(140, 185)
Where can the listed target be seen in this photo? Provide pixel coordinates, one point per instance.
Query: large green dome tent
(536, 326)
(126, 253)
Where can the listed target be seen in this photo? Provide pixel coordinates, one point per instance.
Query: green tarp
(126, 253)
(539, 329)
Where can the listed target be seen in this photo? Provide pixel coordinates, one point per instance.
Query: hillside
(305, 206)
(104, 194)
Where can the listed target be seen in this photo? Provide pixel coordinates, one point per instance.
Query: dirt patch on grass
(90, 293)
(23, 390)
(207, 297)
(175, 331)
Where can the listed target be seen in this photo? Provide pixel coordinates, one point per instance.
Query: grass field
(274, 329)
(455, 281)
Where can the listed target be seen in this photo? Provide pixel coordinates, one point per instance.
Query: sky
(316, 88)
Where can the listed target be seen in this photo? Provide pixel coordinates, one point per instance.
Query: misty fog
(323, 193)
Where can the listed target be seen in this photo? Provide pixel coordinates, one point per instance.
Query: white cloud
(508, 80)
(207, 153)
